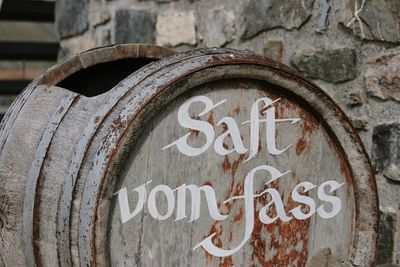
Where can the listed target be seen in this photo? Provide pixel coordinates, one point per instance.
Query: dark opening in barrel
(100, 78)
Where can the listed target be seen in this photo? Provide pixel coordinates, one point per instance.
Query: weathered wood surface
(115, 140)
(361, 179)
(170, 242)
(15, 161)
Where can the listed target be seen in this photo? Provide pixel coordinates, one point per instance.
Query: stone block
(176, 29)
(373, 20)
(387, 233)
(386, 150)
(134, 26)
(73, 46)
(274, 50)
(323, 15)
(218, 27)
(382, 77)
(262, 15)
(333, 65)
(99, 18)
(355, 98)
(71, 17)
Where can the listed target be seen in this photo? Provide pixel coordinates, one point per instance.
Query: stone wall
(350, 48)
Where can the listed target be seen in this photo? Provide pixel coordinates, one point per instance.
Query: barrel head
(228, 160)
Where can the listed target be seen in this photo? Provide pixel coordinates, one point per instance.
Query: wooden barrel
(206, 158)
(53, 109)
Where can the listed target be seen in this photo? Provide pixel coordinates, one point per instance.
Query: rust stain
(195, 117)
(211, 119)
(207, 183)
(281, 251)
(347, 173)
(238, 217)
(235, 164)
(285, 108)
(193, 133)
(216, 228)
(225, 145)
(224, 127)
(301, 145)
(309, 126)
(97, 119)
(226, 165)
(118, 124)
(60, 110)
(293, 232)
(239, 189)
(226, 262)
(237, 110)
(309, 122)
(263, 110)
(209, 257)
(233, 190)
(257, 242)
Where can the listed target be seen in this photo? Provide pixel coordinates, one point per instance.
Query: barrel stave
(16, 159)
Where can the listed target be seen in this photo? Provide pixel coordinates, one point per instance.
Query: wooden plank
(13, 87)
(32, 190)
(67, 137)
(27, 10)
(15, 161)
(28, 50)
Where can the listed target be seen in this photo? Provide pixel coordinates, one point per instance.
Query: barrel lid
(226, 158)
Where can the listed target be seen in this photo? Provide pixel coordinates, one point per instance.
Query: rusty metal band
(287, 78)
(117, 93)
(34, 174)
